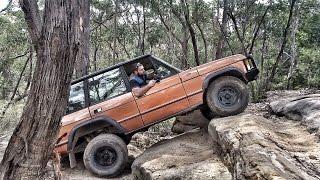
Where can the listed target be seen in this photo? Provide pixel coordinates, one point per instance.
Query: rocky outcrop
(258, 148)
(188, 156)
(304, 108)
(237, 147)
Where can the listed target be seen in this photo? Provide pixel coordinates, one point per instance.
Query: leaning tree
(55, 36)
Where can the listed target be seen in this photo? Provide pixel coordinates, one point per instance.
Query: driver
(138, 81)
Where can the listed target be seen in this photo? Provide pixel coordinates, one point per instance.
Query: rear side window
(106, 86)
(76, 98)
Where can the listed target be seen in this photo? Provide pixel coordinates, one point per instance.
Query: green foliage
(309, 35)
(308, 71)
(14, 42)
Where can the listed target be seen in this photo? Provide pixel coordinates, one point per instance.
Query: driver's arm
(139, 91)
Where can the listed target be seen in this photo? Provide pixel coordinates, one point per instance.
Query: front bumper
(252, 74)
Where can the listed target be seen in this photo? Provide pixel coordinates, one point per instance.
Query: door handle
(97, 110)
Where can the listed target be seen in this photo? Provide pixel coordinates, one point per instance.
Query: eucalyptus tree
(54, 35)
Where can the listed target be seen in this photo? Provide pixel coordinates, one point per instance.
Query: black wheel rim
(228, 96)
(105, 156)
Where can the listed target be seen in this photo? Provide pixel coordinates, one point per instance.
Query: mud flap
(72, 159)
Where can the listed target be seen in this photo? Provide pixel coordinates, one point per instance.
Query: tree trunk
(192, 33)
(261, 77)
(284, 41)
(184, 45)
(223, 30)
(144, 28)
(82, 62)
(293, 58)
(257, 30)
(56, 43)
(115, 33)
(95, 58)
(205, 44)
(139, 47)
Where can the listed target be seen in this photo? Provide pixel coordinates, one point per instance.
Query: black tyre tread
(117, 144)
(228, 81)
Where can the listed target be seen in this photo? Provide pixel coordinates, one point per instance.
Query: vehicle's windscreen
(76, 98)
(106, 86)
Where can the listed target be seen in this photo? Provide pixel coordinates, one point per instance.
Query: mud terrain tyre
(106, 155)
(227, 96)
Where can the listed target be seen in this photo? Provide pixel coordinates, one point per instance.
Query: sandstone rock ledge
(188, 156)
(237, 147)
(257, 148)
(304, 108)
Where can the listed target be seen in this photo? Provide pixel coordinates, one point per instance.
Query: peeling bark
(82, 62)
(56, 43)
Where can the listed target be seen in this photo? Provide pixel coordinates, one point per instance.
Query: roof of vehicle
(120, 64)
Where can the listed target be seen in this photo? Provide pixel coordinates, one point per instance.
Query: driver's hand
(151, 83)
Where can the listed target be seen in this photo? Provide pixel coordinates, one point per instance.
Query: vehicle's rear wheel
(106, 155)
(227, 96)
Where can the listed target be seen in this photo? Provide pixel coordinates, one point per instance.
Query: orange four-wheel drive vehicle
(103, 113)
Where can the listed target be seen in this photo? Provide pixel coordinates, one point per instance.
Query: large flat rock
(188, 156)
(304, 108)
(258, 148)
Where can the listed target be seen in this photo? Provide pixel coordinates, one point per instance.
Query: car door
(109, 96)
(76, 112)
(165, 99)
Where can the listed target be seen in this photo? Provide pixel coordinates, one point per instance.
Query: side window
(106, 86)
(76, 98)
(164, 71)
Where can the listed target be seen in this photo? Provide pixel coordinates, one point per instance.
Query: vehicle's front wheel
(227, 96)
(106, 155)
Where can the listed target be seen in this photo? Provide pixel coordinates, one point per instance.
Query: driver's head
(139, 69)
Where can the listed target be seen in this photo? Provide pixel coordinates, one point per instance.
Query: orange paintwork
(166, 83)
(158, 114)
(189, 74)
(170, 96)
(218, 64)
(150, 103)
(193, 85)
(196, 99)
(133, 123)
(74, 117)
(118, 108)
